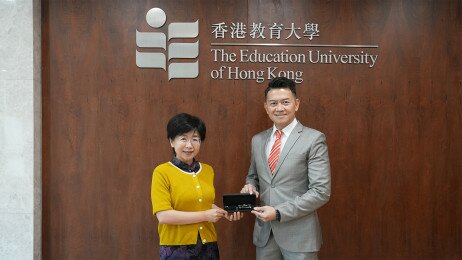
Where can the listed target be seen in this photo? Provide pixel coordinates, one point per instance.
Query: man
(290, 171)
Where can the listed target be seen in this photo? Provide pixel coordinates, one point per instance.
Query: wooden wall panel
(393, 131)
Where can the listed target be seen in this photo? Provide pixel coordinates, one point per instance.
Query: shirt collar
(286, 130)
(194, 167)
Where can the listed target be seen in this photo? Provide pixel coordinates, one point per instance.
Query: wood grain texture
(393, 131)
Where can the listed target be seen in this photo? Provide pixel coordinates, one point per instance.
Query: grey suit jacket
(300, 185)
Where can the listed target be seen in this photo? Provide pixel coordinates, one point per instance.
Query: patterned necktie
(275, 151)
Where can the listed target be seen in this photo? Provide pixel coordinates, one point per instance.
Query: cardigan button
(200, 200)
(204, 240)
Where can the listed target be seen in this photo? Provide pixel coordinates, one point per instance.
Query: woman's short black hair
(281, 82)
(184, 123)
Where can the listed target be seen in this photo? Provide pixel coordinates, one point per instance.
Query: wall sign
(268, 55)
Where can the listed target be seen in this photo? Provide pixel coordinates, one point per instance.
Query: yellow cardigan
(173, 188)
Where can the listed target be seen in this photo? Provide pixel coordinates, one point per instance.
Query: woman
(183, 194)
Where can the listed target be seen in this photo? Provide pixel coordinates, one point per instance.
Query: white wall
(20, 130)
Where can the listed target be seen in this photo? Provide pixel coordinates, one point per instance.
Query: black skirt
(199, 251)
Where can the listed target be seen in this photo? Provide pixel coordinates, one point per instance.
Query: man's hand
(265, 213)
(249, 188)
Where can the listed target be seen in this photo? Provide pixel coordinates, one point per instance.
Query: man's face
(281, 106)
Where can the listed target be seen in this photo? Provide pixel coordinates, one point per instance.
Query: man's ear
(297, 104)
(266, 107)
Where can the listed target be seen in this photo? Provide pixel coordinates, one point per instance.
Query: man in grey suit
(290, 172)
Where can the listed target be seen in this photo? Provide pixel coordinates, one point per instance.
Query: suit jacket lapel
(293, 137)
(264, 158)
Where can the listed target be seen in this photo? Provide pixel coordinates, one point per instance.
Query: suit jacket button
(272, 186)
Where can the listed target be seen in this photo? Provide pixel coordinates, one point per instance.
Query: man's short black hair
(184, 123)
(281, 82)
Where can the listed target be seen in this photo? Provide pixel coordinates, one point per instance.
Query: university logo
(156, 18)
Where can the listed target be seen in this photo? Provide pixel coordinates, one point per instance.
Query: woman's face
(186, 146)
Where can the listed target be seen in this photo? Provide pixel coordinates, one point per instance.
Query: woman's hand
(215, 214)
(234, 216)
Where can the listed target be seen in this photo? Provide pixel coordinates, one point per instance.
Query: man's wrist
(278, 216)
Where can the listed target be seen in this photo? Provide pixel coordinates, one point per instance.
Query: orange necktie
(275, 151)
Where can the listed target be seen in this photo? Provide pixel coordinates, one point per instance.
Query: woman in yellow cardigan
(183, 195)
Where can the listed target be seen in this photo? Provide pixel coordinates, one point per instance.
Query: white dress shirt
(285, 134)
